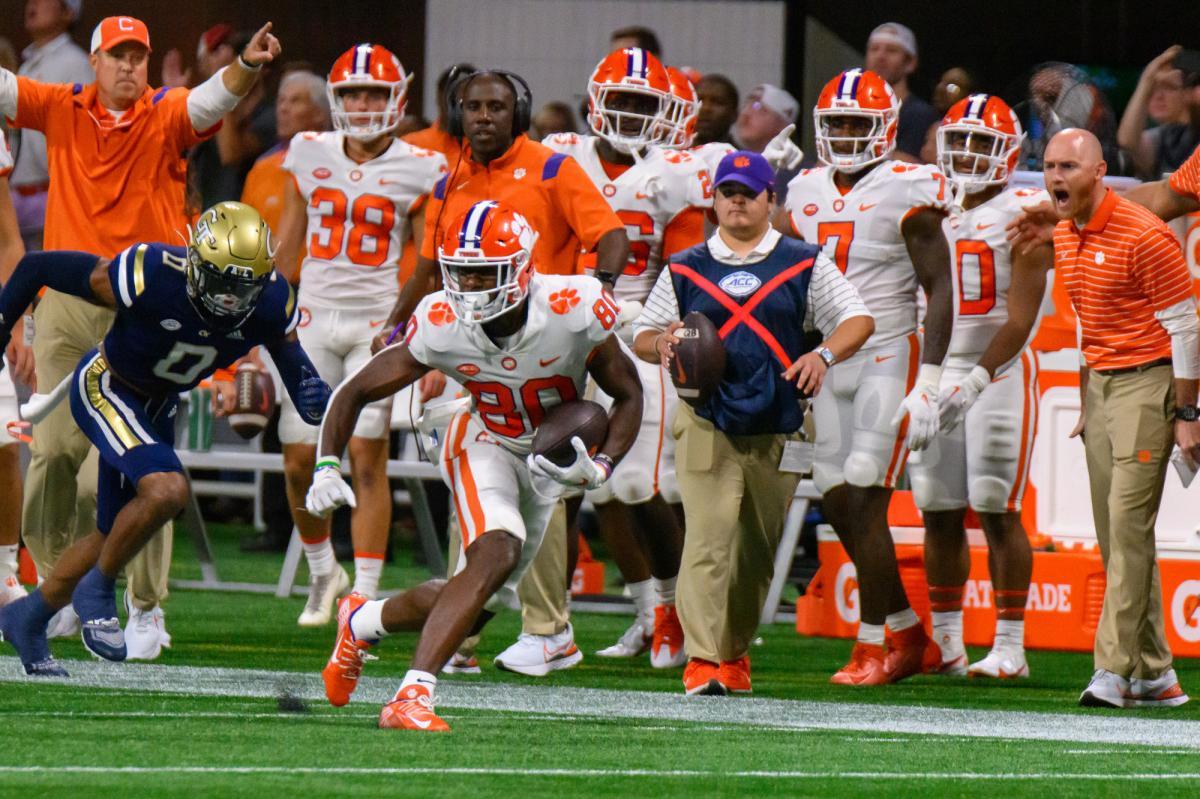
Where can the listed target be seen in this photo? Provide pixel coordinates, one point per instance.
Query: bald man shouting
(1139, 364)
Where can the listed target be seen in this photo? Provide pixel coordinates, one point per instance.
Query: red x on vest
(740, 314)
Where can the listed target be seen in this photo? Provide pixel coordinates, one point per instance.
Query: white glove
(584, 472)
(956, 400)
(921, 408)
(328, 491)
(781, 152)
(627, 313)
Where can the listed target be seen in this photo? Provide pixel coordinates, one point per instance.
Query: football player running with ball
(181, 312)
(880, 220)
(988, 395)
(525, 342)
(357, 194)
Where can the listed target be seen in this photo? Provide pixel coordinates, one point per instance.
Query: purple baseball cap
(748, 168)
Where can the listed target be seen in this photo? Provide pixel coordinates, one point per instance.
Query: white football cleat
(64, 624)
(1106, 690)
(11, 590)
(145, 632)
(1001, 665)
(461, 663)
(323, 593)
(634, 642)
(538, 655)
(1162, 692)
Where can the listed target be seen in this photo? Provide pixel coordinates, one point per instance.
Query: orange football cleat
(906, 653)
(703, 678)
(411, 709)
(345, 664)
(666, 649)
(865, 667)
(735, 675)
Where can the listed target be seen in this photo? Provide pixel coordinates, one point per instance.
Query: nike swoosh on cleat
(548, 361)
(422, 724)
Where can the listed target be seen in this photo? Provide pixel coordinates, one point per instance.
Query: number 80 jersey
(542, 365)
(358, 216)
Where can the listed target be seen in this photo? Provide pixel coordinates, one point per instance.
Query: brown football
(582, 418)
(699, 359)
(254, 401)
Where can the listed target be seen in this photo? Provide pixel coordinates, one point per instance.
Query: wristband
(605, 463)
(244, 65)
(607, 278)
(929, 375)
(328, 462)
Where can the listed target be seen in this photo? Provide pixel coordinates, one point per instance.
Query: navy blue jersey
(159, 344)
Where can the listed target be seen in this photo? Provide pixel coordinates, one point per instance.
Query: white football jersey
(542, 365)
(6, 159)
(860, 231)
(647, 197)
(981, 266)
(358, 216)
(712, 153)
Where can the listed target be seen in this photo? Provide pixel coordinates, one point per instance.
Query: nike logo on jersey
(549, 361)
(982, 226)
(386, 182)
(866, 206)
(637, 195)
(373, 323)
(459, 187)
(882, 358)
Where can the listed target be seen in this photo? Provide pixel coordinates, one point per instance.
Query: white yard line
(1124, 729)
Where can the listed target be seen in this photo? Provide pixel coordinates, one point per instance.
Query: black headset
(457, 84)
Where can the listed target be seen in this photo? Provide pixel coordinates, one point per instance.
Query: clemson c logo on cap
(741, 162)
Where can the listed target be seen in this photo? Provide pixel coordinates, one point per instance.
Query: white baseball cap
(778, 100)
(895, 33)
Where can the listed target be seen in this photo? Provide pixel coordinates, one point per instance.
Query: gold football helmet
(231, 258)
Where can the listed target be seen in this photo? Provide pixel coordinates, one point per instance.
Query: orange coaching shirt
(550, 189)
(1124, 265)
(112, 182)
(1186, 180)
(436, 139)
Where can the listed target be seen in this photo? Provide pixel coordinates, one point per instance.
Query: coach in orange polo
(117, 173)
(1140, 360)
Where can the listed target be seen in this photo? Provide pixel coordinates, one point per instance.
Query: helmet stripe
(362, 59)
(472, 230)
(848, 88)
(975, 106)
(635, 62)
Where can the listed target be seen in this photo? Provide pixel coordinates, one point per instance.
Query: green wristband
(328, 462)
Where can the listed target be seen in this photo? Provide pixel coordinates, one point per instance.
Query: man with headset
(491, 110)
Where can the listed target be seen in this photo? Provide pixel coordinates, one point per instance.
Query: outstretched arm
(79, 274)
(308, 391)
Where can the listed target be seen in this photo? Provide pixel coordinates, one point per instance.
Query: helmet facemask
(370, 124)
(628, 129)
(974, 157)
(864, 150)
(224, 299)
(504, 281)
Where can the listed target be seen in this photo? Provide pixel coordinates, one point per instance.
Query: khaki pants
(734, 501)
(1128, 437)
(59, 508)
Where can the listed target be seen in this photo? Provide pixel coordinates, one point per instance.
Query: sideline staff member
(1132, 294)
(729, 450)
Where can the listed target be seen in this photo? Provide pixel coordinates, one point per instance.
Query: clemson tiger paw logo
(741, 162)
(440, 313)
(561, 302)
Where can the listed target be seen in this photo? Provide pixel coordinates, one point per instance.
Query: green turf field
(206, 720)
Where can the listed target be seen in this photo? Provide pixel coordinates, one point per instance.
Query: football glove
(328, 491)
(921, 408)
(955, 401)
(313, 396)
(781, 152)
(584, 472)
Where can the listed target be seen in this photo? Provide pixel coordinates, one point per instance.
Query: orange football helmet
(368, 65)
(487, 261)
(679, 123)
(636, 120)
(863, 94)
(978, 143)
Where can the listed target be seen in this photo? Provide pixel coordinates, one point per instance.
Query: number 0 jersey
(860, 231)
(158, 344)
(542, 365)
(981, 266)
(652, 199)
(358, 216)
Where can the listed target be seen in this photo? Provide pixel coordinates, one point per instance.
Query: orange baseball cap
(114, 30)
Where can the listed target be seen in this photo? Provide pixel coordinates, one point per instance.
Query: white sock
(948, 632)
(1010, 635)
(665, 590)
(902, 620)
(320, 557)
(417, 677)
(367, 571)
(367, 622)
(870, 633)
(642, 594)
(8, 559)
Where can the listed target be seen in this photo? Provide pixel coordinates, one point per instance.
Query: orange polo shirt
(265, 184)
(1124, 265)
(550, 189)
(436, 139)
(113, 182)
(1186, 179)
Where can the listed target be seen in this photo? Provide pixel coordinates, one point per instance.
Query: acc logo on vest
(1185, 610)
(739, 284)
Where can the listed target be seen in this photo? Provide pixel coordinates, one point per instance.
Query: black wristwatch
(1187, 413)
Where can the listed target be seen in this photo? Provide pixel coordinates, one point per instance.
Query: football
(699, 359)
(254, 401)
(582, 418)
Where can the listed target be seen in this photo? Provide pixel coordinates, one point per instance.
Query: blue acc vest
(758, 309)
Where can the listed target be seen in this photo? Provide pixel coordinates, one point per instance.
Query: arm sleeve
(1181, 323)
(210, 101)
(582, 204)
(684, 231)
(661, 308)
(1186, 180)
(832, 299)
(294, 366)
(1159, 269)
(62, 270)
